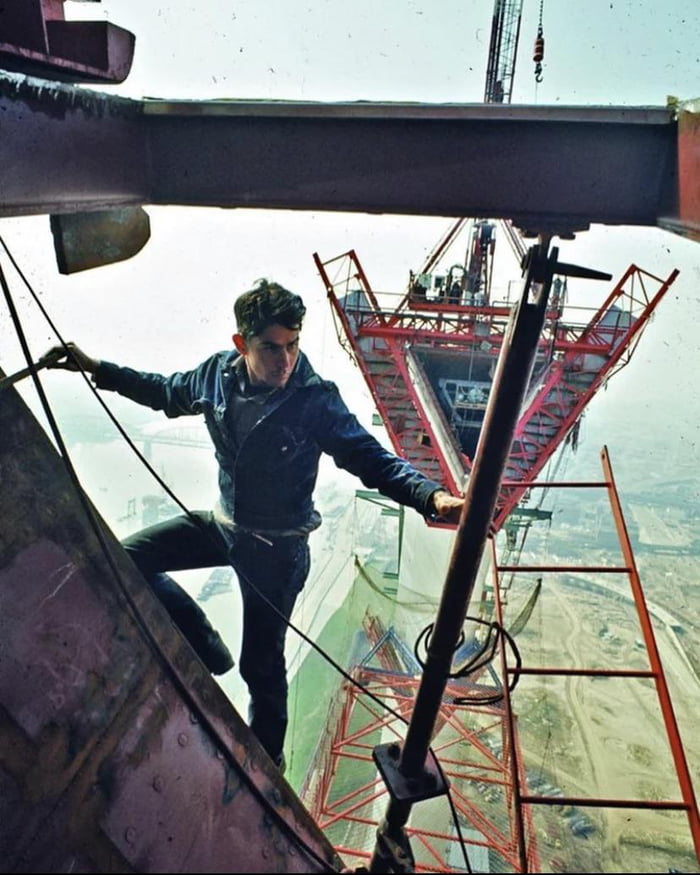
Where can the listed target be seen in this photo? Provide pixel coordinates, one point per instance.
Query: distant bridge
(177, 436)
(98, 429)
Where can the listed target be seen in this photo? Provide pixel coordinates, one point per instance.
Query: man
(270, 416)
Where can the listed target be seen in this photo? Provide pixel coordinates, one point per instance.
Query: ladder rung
(581, 802)
(599, 569)
(585, 672)
(571, 484)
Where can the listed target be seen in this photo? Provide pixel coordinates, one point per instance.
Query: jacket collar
(302, 376)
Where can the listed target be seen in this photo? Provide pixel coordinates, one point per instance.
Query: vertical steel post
(510, 384)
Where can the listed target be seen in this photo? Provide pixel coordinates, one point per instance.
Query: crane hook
(538, 54)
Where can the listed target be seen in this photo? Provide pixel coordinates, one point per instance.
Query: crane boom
(503, 48)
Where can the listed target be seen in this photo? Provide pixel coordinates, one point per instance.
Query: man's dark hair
(267, 304)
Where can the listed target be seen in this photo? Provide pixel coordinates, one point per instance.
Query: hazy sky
(595, 52)
(170, 306)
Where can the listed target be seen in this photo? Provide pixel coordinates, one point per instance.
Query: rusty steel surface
(557, 168)
(86, 240)
(36, 38)
(118, 750)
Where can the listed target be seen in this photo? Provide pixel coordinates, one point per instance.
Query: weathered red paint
(689, 169)
(37, 39)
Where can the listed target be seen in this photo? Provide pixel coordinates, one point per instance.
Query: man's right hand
(71, 358)
(447, 506)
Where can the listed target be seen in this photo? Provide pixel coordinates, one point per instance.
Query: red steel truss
(348, 810)
(583, 361)
(575, 360)
(510, 818)
(346, 798)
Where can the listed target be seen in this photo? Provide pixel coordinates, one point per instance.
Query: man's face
(269, 356)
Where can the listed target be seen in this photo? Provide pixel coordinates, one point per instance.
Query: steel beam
(555, 169)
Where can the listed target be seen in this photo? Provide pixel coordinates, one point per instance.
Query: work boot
(192, 622)
(210, 648)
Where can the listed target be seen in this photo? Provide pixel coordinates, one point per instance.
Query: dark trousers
(276, 571)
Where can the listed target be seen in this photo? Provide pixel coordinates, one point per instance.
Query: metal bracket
(408, 788)
(393, 851)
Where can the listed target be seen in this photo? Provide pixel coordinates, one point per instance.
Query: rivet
(158, 783)
(182, 739)
(130, 834)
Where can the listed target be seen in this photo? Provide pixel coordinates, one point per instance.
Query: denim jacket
(268, 482)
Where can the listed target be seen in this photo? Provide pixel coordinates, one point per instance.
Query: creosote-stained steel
(118, 751)
(554, 169)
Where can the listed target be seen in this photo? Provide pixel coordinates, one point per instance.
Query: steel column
(510, 383)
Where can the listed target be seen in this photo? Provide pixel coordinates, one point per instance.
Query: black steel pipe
(510, 384)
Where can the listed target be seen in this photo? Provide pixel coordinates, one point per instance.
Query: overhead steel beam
(67, 149)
